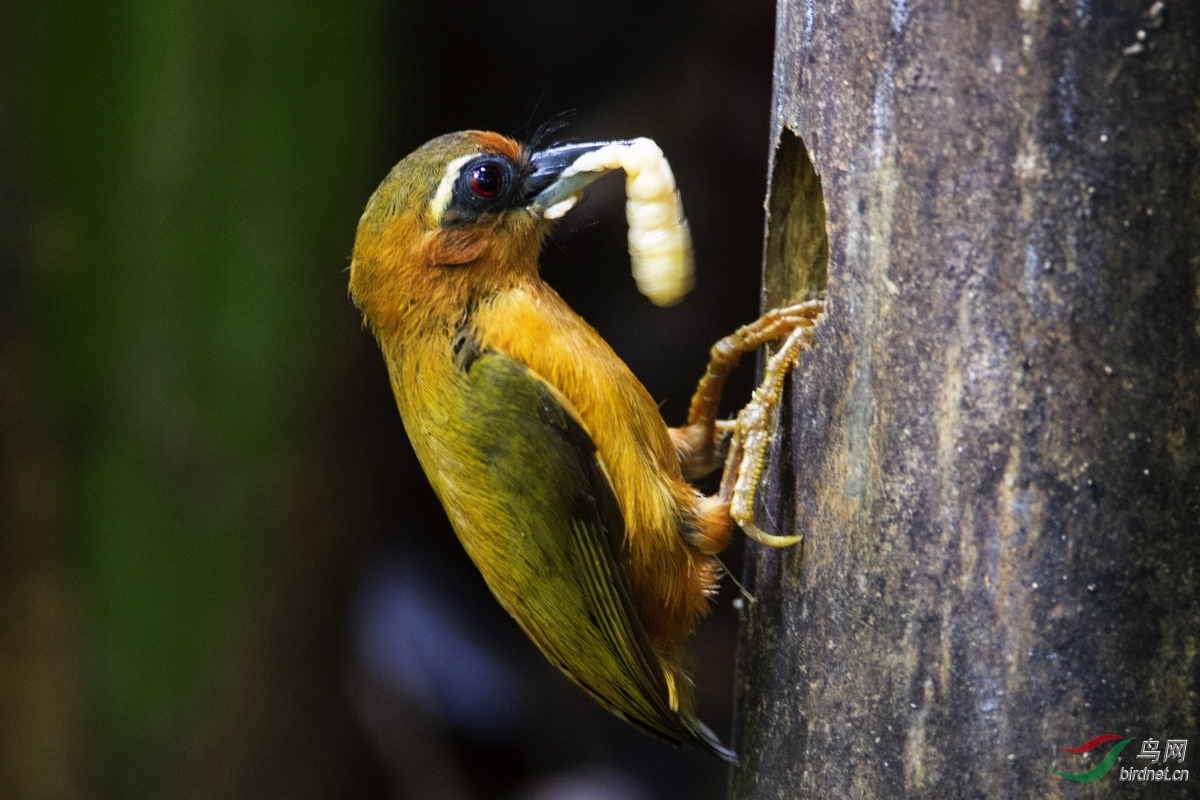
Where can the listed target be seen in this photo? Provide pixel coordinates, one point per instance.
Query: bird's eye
(487, 181)
(486, 184)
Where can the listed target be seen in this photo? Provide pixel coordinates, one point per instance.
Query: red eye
(487, 181)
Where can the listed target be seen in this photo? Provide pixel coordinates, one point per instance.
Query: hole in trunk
(797, 246)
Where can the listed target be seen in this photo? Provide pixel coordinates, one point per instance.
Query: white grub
(561, 207)
(660, 244)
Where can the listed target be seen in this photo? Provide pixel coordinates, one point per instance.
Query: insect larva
(660, 244)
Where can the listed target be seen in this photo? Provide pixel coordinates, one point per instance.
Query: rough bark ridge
(993, 453)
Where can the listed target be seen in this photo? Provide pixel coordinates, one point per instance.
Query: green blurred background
(201, 469)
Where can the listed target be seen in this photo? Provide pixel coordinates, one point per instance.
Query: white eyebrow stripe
(441, 198)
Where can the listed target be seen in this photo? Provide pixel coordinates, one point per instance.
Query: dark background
(222, 573)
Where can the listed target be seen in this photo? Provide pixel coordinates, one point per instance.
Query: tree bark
(992, 453)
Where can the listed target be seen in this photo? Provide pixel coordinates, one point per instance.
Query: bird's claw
(757, 423)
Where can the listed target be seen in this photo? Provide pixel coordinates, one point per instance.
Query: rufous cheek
(454, 246)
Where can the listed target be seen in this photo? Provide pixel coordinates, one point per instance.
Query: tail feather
(704, 737)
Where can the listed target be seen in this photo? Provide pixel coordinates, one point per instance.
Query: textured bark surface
(993, 453)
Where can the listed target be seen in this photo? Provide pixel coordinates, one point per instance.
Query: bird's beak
(553, 182)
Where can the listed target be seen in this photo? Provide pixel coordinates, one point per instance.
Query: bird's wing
(536, 512)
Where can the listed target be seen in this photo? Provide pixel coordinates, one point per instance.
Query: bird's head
(463, 215)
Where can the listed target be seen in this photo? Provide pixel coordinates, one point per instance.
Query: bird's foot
(757, 423)
(703, 443)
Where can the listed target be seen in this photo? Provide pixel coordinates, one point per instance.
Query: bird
(558, 474)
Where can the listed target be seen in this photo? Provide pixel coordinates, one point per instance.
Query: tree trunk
(992, 453)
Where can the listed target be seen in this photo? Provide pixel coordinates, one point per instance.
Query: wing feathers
(548, 544)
